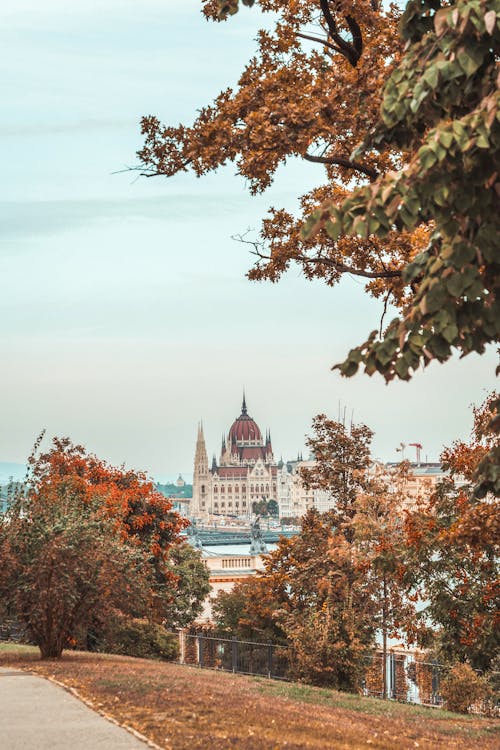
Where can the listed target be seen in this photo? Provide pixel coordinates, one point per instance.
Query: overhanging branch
(342, 162)
(319, 260)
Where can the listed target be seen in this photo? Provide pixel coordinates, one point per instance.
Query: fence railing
(11, 630)
(407, 679)
(232, 655)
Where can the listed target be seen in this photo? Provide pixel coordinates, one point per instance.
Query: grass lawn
(183, 708)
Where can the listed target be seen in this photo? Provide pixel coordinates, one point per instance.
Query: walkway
(35, 713)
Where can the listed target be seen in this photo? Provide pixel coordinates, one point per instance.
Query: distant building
(245, 472)
(180, 481)
(421, 482)
(294, 499)
(224, 571)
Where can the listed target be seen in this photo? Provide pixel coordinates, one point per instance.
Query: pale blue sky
(124, 312)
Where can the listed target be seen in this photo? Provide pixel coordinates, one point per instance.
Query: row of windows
(243, 562)
(230, 505)
(253, 488)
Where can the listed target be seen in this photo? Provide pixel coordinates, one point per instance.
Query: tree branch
(384, 311)
(318, 260)
(349, 51)
(325, 42)
(357, 38)
(343, 268)
(342, 162)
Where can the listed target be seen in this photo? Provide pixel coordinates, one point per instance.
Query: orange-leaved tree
(83, 542)
(453, 549)
(328, 590)
(312, 90)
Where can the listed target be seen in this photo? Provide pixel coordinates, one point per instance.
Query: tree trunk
(50, 651)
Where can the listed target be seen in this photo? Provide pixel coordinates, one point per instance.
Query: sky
(125, 314)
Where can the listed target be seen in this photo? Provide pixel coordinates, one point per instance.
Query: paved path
(35, 714)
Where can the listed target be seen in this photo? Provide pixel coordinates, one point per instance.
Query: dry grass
(182, 708)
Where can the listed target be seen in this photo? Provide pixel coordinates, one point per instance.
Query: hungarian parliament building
(247, 473)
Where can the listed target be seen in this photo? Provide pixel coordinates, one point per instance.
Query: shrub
(143, 639)
(463, 688)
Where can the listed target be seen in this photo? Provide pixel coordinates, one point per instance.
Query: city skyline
(126, 314)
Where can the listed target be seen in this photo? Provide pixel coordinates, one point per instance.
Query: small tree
(453, 546)
(342, 460)
(63, 567)
(85, 540)
(379, 537)
(184, 602)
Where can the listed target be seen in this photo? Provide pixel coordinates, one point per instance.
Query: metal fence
(407, 679)
(232, 655)
(11, 630)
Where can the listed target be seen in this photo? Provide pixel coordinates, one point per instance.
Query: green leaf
(401, 367)
(333, 229)
(470, 59)
(435, 297)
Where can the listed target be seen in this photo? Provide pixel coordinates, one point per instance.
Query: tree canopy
(453, 551)
(85, 542)
(404, 101)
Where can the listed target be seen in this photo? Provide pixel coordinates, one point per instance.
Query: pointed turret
(244, 405)
(200, 475)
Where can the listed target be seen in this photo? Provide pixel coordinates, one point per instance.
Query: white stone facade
(294, 499)
(245, 473)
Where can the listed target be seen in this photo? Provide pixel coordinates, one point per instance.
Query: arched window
(222, 490)
(229, 489)
(202, 489)
(216, 489)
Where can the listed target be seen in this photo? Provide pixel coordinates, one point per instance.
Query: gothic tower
(201, 478)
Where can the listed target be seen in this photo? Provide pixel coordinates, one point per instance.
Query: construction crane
(418, 448)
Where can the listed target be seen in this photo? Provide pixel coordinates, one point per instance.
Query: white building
(245, 473)
(294, 499)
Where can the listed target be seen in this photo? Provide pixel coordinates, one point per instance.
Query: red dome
(244, 429)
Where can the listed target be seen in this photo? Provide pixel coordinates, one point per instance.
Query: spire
(244, 405)
(214, 463)
(200, 459)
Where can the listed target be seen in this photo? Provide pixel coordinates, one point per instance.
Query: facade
(294, 499)
(225, 571)
(245, 473)
(420, 483)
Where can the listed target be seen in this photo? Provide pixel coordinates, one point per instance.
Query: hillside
(182, 708)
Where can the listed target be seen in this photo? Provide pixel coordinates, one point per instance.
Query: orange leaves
(127, 497)
(311, 92)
